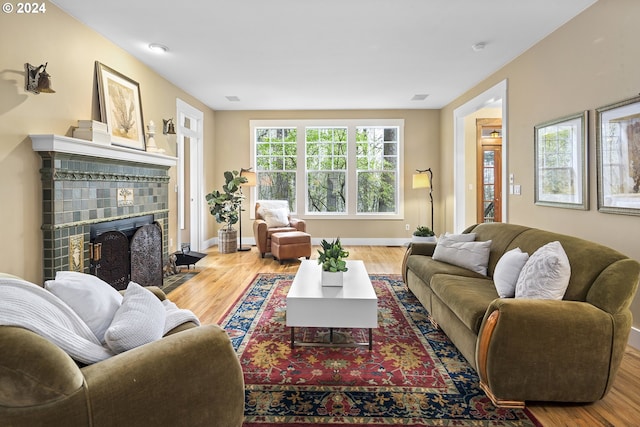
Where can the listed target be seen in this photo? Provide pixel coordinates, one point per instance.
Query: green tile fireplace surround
(86, 183)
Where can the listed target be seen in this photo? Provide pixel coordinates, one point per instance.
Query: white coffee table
(354, 305)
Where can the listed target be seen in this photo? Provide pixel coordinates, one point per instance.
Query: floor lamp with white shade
(251, 182)
(424, 179)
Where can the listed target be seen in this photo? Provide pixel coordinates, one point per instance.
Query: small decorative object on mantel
(151, 141)
(224, 206)
(423, 234)
(92, 130)
(333, 264)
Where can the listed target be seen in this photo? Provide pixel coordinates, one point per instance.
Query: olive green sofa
(191, 377)
(532, 349)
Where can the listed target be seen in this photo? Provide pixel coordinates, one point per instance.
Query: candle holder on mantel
(151, 142)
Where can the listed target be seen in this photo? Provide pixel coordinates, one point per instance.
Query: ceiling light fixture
(158, 48)
(232, 98)
(479, 46)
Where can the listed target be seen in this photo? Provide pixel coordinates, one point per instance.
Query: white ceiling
(325, 54)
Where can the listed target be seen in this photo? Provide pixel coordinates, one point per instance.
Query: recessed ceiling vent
(419, 97)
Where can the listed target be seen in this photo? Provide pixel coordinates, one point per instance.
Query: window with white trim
(331, 168)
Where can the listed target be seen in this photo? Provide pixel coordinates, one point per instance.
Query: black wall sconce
(168, 128)
(38, 80)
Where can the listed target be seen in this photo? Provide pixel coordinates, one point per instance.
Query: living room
(593, 66)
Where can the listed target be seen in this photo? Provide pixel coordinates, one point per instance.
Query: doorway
(189, 132)
(489, 170)
(497, 97)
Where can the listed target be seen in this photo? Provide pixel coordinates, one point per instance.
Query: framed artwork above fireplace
(120, 107)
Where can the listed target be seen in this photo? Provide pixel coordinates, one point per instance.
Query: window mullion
(352, 170)
(301, 172)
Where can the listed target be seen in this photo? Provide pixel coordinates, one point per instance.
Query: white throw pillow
(473, 256)
(139, 320)
(546, 274)
(507, 271)
(93, 299)
(464, 237)
(276, 217)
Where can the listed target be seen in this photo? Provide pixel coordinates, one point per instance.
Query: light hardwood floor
(224, 277)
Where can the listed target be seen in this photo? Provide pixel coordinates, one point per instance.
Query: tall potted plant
(333, 265)
(225, 207)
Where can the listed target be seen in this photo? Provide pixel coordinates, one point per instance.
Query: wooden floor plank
(223, 279)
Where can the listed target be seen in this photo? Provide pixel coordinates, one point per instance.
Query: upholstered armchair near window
(273, 216)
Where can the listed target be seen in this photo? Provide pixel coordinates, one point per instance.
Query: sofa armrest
(260, 235)
(298, 224)
(544, 350)
(34, 371)
(189, 378)
(425, 249)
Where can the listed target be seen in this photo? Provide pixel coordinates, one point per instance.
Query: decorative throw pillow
(507, 271)
(93, 299)
(276, 217)
(546, 274)
(470, 255)
(139, 320)
(464, 237)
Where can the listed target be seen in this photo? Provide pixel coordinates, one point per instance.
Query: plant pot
(423, 239)
(227, 241)
(331, 278)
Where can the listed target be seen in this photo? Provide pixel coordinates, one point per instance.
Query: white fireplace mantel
(81, 147)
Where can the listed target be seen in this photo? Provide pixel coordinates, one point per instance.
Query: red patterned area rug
(413, 377)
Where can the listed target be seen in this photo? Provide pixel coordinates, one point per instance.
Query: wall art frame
(561, 162)
(120, 107)
(618, 157)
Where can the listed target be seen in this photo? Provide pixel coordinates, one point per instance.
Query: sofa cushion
(279, 230)
(471, 255)
(468, 298)
(93, 299)
(507, 272)
(426, 267)
(546, 273)
(139, 320)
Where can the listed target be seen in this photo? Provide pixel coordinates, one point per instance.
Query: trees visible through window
(276, 164)
(341, 168)
(377, 169)
(326, 158)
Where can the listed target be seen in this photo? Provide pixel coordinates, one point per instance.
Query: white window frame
(301, 175)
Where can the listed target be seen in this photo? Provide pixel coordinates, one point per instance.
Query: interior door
(489, 181)
(191, 208)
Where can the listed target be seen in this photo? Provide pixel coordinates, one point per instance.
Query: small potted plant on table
(423, 234)
(332, 262)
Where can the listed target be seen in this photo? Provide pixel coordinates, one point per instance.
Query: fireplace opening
(127, 250)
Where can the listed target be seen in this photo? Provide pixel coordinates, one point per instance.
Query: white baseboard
(634, 338)
(346, 241)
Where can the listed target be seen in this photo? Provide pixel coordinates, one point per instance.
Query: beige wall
(421, 150)
(71, 49)
(590, 62)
